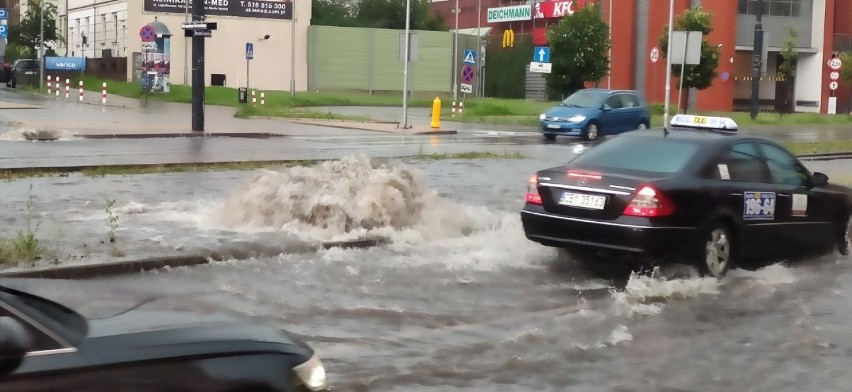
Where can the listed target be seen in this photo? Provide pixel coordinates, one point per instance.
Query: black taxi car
(45, 346)
(708, 197)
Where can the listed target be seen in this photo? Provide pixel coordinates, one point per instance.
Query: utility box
(242, 94)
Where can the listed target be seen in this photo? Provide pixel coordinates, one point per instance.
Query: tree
(698, 76)
(846, 74)
(578, 50)
(333, 13)
(390, 14)
(26, 35)
(787, 68)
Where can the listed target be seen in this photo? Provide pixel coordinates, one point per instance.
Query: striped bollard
(49, 90)
(262, 98)
(253, 98)
(454, 108)
(67, 88)
(57, 87)
(461, 107)
(103, 94)
(81, 91)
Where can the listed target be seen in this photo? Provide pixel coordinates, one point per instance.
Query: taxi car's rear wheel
(591, 131)
(845, 236)
(718, 250)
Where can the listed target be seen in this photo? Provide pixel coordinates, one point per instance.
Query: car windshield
(583, 99)
(31, 64)
(639, 154)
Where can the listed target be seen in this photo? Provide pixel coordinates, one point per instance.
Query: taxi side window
(741, 163)
(785, 169)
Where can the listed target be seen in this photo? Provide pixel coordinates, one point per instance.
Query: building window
(784, 8)
(114, 27)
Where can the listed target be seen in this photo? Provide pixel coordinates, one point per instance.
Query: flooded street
(458, 298)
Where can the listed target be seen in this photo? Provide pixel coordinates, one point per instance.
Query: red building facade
(637, 25)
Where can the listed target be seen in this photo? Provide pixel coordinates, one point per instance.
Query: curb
(246, 135)
(826, 156)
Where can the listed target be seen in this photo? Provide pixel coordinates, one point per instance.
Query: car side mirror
(819, 179)
(14, 344)
(606, 107)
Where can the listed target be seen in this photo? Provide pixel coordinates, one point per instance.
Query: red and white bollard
(253, 98)
(49, 90)
(57, 86)
(67, 88)
(262, 98)
(461, 107)
(454, 108)
(81, 91)
(103, 94)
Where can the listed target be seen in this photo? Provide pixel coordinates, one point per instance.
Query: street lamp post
(456, 54)
(41, 46)
(668, 68)
(293, 50)
(757, 61)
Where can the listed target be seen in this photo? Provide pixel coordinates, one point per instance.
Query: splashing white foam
(646, 295)
(772, 275)
(345, 199)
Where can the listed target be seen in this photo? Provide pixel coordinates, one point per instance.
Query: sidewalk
(122, 117)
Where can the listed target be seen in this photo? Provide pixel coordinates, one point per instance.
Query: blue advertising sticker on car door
(759, 205)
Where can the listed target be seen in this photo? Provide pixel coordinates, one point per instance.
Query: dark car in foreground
(712, 198)
(593, 112)
(24, 71)
(45, 346)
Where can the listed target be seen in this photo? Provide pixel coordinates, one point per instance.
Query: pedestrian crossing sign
(469, 56)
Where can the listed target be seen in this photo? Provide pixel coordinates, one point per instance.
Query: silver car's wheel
(641, 126)
(718, 251)
(592, 131)
(846, 239)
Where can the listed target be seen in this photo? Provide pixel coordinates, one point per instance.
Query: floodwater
(457, 299)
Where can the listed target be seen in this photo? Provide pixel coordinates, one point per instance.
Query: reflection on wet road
(458, 299)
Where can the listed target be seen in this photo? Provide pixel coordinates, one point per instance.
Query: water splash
(37, 135)
(646, 294)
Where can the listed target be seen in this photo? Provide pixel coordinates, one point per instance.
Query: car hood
(569, 111)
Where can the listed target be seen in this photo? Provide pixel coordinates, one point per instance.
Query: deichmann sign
(65, 63)
(270, 9)
(509, 14)
(556, 9)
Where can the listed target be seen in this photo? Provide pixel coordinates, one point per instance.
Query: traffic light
(508, 38)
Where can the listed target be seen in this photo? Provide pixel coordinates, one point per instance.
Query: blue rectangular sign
(4, 13)
(469, 57)
(249, 50)
(4, 31)
(65, 63)
(541, 54)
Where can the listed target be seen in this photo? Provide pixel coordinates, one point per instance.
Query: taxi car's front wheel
(718, 250)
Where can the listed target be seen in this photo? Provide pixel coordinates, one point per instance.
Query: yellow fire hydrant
(436, 113)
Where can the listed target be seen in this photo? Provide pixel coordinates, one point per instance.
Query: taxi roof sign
(722, 124)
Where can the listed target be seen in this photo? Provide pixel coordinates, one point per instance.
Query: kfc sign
(556, 9)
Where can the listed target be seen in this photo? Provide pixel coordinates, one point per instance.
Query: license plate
(554, 126)
(583, 201)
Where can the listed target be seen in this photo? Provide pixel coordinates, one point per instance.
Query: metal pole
(405, 67)
(478, 43)
(456, 55)
(757, 60)
(293, 51)
(682, 71)
(41, 46)
(185, 45)
(198, 70)
(609, 79)
(248, 81)
(668, 68)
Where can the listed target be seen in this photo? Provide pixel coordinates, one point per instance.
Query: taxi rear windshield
(642, 154)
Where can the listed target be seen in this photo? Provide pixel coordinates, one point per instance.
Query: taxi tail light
(649, 202)
(532, 195)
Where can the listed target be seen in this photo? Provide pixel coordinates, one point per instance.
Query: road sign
(468, 73)
(4, 31)
(249, 50)
(832, 86)
(469, 56)
(655, 54)
(834, 75)
(725, 76)
(541, 67)
(147, 33)
(4, 13)
(466, 88)
(149, 46)
(834, 63)
(541, 54)
(199, 25)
